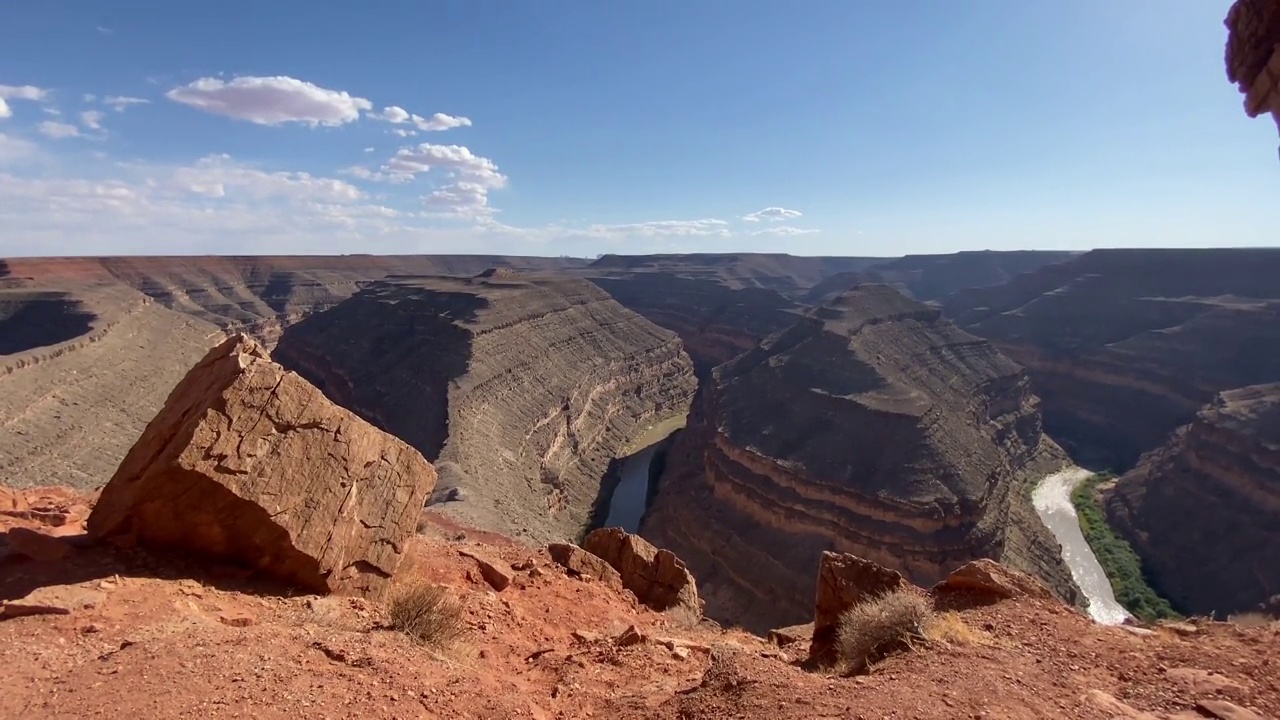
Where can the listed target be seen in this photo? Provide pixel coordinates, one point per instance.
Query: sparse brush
(872, 629)
(949, 628)
(427, 613)
(1252, 619)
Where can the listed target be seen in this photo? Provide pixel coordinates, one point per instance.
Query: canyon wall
(1204, 509)
(929, 277)
(871, 426)
(1253, 55)
(1124, 346)
(257, 295)
(82, 371)
(520, 389)
(716, 322)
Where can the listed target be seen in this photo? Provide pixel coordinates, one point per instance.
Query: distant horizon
(571, 128)
(653, 254)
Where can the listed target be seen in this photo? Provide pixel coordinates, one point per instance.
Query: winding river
(627, 505)
(1052, 500)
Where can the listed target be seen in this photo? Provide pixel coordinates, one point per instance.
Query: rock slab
(844, 581)
(658, 578)
(251, 464)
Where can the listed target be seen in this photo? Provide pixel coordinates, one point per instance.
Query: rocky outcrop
(1203, 511)
(1124, 346)
(991, 579)
(657, 577)
(1253, 54)
(250, 463)
(521, 390)
(871, 427)
(583, 564)
(844, 581)
(929, 277)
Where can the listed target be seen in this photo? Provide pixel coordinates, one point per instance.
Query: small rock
(782, 637)
(524, 565)
(236, 619)
(91, 628)
(1180, 628)
(585, 636)
(53, 600)
(1115, 708)
(1224, 710)
(680, 653)
(535, 572)
(1133, 630)
(1202, 681)
(497, 578)
(630, 636)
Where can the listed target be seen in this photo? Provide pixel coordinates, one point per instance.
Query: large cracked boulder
(844, 581)
(251, 464)
(658, 578)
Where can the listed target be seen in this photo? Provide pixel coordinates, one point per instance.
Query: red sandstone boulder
(844, 581)
(583, 564)
(990, 578)
(249, 463)
(658, 578)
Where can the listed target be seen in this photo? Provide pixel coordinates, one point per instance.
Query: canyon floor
(176, 638)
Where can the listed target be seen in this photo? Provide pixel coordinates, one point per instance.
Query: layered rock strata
(1203, 511)
(1124, 346)
(1253, 55)
(716, 321)
(520, 389)
(250, 463)
(871, 427)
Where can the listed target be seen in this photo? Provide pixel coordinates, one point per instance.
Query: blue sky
(874, 127)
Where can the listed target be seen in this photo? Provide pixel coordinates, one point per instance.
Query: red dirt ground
(175, 638)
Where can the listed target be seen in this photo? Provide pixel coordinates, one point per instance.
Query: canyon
(1203, 509)
(871, 426)
(521, 389)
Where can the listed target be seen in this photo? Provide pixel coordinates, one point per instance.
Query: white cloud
(18, 92)
(58, 130)
(91, 119)
(106, 30)
(369, 149)
(271, 100)
(392, 114)
(219, 176)
(120, 102)
(402, 132)
(455, 159)
(785, 230)
(682, 228)
(439, 122)
(22, 92)
(773, 214)
(397, 115)
(460, 199)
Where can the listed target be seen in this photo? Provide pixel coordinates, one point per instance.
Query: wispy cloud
(772, 214)
(784, 230)
(106, 30)
(58, 130)
(92, 119)
(120, 102)
(271, 101)
(19, 92)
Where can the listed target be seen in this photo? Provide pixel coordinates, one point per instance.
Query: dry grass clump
(949, 628)
(873, 629)
(1252, 619)
(427, 613)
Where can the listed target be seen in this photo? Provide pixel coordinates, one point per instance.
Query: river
(1052, 500)
(627, 505)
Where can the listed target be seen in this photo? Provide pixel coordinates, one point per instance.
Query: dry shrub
(949, 628)
(877, 627)
(427, 613)
(1252, 619)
